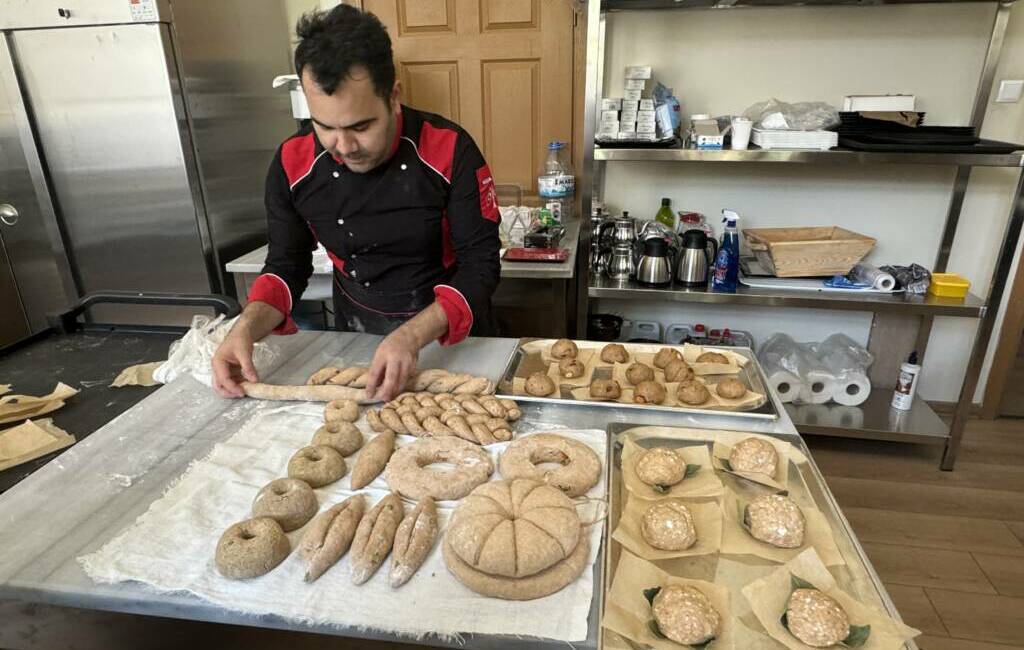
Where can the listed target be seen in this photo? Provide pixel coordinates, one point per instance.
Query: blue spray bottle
(727, 262)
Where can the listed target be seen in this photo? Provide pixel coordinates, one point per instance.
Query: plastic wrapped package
(912, 279)
(833, 370)
(800, 116)
(848, 362)
(193, 353)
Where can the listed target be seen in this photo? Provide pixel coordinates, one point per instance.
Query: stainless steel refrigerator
(135, 137)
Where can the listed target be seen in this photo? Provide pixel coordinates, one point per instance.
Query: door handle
(8, 215)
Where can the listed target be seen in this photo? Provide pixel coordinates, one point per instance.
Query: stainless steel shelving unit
(877, 421)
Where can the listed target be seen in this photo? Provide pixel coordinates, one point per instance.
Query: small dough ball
(570, 368)
(666, 356)
(539, 384)
(816, 618)
(776, 520)
(712, 357)
(605, 389)
(638, 372)
(288, 501)
(731, 388)
(678, 370)
(649, 392)
(754, 455)
(344, 437)
(614, 353)
(564, 349)
(317, 465)
(685, 615)
(669, 526)
(251, 548)
(693, 393)
(661, 466)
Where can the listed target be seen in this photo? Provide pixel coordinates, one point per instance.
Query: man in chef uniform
(402, 200)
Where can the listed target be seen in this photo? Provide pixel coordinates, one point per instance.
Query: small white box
(632, 95)
(649, 137)
(878, 103)
(644, 116)
(609, 116)
(611, 103)
(635, 84)
(608, 128)
(627, 127)
(626, 135)
(631, 105)
(647, 128)
(629, 116)
(647, 104)
(638, 72)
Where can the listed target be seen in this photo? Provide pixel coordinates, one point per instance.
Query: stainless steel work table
(97, 488)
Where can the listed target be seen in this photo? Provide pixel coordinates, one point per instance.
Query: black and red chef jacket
(427, 218)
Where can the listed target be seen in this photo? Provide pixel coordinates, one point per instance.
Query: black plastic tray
(980, 147)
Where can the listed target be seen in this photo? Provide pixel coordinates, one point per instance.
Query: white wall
(722, 61)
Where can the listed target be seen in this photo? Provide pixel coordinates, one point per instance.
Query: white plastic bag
(193, 353)
(801, 116)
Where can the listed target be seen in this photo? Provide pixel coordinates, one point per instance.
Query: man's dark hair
(332, 42)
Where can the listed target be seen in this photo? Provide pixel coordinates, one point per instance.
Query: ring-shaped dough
(580, 467)
(344, 410)
(407, 473)
(317, 465)
(251, 548)
(288, 501)
(343, 437)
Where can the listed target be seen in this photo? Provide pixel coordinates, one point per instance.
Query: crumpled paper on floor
(31, 440)
(14, 408)
(138, 375)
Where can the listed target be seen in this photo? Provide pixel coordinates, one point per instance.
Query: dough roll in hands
(304, 393)
(433, 380)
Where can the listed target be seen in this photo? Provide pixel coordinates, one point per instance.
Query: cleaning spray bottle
(906, 384)
(727, 262)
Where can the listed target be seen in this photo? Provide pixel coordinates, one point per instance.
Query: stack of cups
(741, 127)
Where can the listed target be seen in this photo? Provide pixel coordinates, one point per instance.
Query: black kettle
(696, 258)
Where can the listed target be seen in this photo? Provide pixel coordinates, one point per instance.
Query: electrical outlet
(1009, 91)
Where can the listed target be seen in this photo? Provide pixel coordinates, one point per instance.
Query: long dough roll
(306, 393)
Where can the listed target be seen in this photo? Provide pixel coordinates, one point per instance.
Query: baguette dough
(580, 467)
(328, 538)
(317, 465)
(288, 501)
(407, 473)
(251, 548)
(374, 538)
(413, 542)
(372, 460)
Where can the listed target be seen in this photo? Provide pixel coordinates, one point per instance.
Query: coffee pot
(620, 262)
(654, 267)
(696, 258)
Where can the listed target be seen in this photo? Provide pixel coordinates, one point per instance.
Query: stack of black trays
(865, 134)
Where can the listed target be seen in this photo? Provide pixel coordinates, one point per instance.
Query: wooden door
(502, 69)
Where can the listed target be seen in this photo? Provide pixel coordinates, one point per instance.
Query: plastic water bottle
(727, 263)
(556, 183)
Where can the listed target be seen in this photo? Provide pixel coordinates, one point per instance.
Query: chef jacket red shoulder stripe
(298, 154)
(437, 149)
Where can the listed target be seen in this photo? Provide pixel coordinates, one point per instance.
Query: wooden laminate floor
(948, 545)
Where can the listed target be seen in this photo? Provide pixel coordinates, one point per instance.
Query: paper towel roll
(786, 384)
(852, 389)
(873, 276)
(818, 387)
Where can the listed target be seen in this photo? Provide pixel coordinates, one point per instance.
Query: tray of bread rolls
(709, 532)
(676, 378)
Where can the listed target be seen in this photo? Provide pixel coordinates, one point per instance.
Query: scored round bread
(514, 528)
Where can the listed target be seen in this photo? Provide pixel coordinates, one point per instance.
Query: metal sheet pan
(521, 363)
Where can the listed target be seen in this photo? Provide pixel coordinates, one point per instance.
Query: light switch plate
(1010, 91)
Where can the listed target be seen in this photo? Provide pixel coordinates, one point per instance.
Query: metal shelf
(630, 5)
(970, 307)
(875, 419)
(831, 157)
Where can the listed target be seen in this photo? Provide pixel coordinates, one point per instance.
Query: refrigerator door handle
(8, 215)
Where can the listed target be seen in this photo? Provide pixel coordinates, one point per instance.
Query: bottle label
(556, 187)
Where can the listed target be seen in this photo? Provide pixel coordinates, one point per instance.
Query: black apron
(359, 309)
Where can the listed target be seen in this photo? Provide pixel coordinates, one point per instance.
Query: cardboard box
(638, 72)
(647, 104)
(631, 104)
(635, 84)
(609, 116)
(632, 95)
(709, 136)
(611, 104)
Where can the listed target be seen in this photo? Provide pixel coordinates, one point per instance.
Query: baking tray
(522, 363)
(806, 486)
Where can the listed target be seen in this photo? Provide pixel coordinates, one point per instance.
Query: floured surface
(171, 548)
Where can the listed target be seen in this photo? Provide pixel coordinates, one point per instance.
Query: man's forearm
(259, 319)
(426, 326)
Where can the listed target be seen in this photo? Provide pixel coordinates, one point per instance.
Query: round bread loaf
(661, 466)
(614, 353)
(776, 520)
(685, 615)
(669, 526)
(564, 349)
(754, 456)
(816, 618)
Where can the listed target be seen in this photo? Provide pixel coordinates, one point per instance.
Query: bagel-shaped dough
(731, 388)
(344, 410)
(251, 548)
(614, 353)
(407, 473)
(564, 349)
(317, 465)
(605, 389)
(580, 467)
(288, 501)
(343, 437)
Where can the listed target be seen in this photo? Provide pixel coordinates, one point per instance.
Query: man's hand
(394, 362)
(232, 363)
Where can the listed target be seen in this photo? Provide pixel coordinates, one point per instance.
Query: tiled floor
(949, 545)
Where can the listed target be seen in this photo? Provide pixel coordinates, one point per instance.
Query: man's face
(354, 124)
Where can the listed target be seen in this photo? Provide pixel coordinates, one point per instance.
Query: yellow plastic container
(949, 285)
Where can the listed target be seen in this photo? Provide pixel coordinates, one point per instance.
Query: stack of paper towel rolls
(834, 370)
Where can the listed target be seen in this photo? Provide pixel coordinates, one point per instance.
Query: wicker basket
(807, 252)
